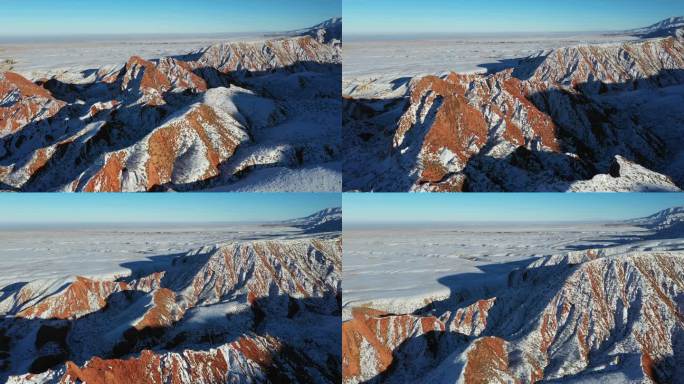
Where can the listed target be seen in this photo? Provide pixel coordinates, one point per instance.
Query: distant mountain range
(327, 220)
(329, 31)
(663, 28)
(668, 220)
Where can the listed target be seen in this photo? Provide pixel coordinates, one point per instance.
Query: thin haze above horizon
(402, 17)
(85, 17)
(403, 208)
(56, 208)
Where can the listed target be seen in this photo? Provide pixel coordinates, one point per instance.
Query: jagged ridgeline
(596, 315)
(246, 311)
(260, 115)
(585, 118)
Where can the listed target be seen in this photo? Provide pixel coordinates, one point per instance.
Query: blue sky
(444, 16)
(41, 17)
(499, 207)
(24, 208)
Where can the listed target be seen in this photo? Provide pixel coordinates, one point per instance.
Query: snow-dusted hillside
(329, 31)
(243, 311)
(667, 27)
(667, 220)
(593, 319)
(327, 220)
(582, 118)
(608, 311)
(206, 120)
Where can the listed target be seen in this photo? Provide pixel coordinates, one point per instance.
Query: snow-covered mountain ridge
(668, 219)
(601, 117)
(662, 28)
(611, 314)
(248, 311)
(327, 220)
(329, 31)
(626, 330)
(227, 113)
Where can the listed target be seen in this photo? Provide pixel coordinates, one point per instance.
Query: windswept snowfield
(28, 254)
(40, 57)
(379, 61)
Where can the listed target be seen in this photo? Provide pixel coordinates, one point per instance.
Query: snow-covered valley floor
(42, 57)
(28, 254)
(400, 269)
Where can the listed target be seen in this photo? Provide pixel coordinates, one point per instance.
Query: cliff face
(581, 118)
(243, 312)
(202, 120)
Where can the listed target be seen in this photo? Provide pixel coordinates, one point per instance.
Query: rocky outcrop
(260, 311)
(553, 123)
(601, 69)
(369, 339)
(149, 81)
(204, 367)
(22, 101)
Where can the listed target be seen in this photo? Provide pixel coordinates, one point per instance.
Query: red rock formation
(163, 126)
(487, 361)
(79, 298)
(464, 121)
(195, 282)
(540, 126)
(108, 179)
(370, 337)
(255, 57)
(188, 367)
(22, 102)
(472, 320)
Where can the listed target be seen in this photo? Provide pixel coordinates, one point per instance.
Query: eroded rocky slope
(252, 311)
(605, 117)
(597, 315)
(592, 318)
(242, 112)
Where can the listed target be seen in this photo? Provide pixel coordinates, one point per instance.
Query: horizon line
(395, 33)
(116, 33)
(616, 31)
(134, 222)
(502, 221)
